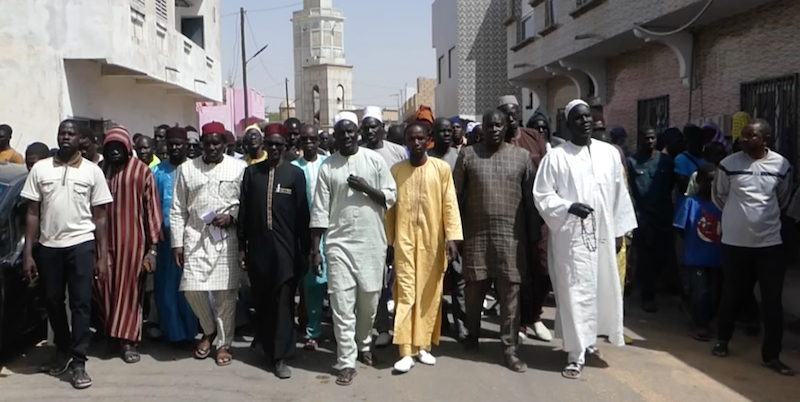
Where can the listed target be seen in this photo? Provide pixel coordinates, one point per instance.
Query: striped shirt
(751, 194)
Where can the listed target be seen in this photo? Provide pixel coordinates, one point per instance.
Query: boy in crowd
(698, 224)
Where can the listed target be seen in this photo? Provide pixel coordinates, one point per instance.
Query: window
(162, 14)
(450, 62)
(775, 100)
(654, 113)
(139, 5)
(511, 9)
(439, 68)
(193, 28)
(526, 27)
(340, 96)
(549, 13)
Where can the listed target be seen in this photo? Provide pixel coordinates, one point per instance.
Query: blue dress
(178, 322)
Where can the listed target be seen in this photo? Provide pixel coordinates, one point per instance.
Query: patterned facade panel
(483, 55)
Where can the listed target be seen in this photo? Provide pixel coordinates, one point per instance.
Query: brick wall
(748, 47)
(647, 73)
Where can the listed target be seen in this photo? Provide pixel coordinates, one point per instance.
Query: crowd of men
(376, 227)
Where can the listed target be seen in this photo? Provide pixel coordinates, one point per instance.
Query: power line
(261, 10)
(234, 70)
(261, 61)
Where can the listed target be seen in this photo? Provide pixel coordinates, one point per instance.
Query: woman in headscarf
(713, 133)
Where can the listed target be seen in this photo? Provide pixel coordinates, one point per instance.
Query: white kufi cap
(373, 111)
(572, 105)
(345, 116)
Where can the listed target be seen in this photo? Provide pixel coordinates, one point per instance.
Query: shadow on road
(667, 331)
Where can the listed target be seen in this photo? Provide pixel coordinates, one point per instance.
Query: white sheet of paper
(217, 234)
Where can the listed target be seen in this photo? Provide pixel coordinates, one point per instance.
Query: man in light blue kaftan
(314, 285)
(178, 322)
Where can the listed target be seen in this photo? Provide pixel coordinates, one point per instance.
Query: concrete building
(425, 95)
(139, 63)
(737, 56)
(230, 111)
(471, 55)
(287, 112)
(323, 81)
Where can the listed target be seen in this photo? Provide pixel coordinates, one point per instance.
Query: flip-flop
(572, 371)
(201, 354)
(346, 377)
(779, 367)
(225, 359)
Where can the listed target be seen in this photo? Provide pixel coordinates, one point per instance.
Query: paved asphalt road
(664, 365)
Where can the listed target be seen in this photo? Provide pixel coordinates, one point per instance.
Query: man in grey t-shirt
(752, 188)
(373, 136)
(442, 132)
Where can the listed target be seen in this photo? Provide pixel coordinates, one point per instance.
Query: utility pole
(287, 99)
(244, 68)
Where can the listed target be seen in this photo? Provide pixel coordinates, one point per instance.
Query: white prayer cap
(507, 100)
(345, 116)
(472, 126)
(572, 105)
(192, 136)
(373, 111)
(320, 131)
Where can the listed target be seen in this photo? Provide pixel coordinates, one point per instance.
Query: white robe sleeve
(386, 183)
(551, 206)
(178, 214)
(321, 206)
(624, 214)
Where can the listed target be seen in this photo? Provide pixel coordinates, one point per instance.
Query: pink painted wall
(230, 112)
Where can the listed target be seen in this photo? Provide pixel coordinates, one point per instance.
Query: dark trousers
(653, 248)
(458, 305)
(383, 320)
(532, 296)
(706, 289)
(738, 265)
(275, 331)
(71, 267)
(508, 296)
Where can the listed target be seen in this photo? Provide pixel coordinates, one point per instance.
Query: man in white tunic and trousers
(581, 194)
(204, 239)
(354, 189)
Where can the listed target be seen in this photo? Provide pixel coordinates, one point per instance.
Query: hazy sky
(388, 43)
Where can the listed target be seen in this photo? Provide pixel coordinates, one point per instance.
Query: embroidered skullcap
(507, 100)
(572, 105)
